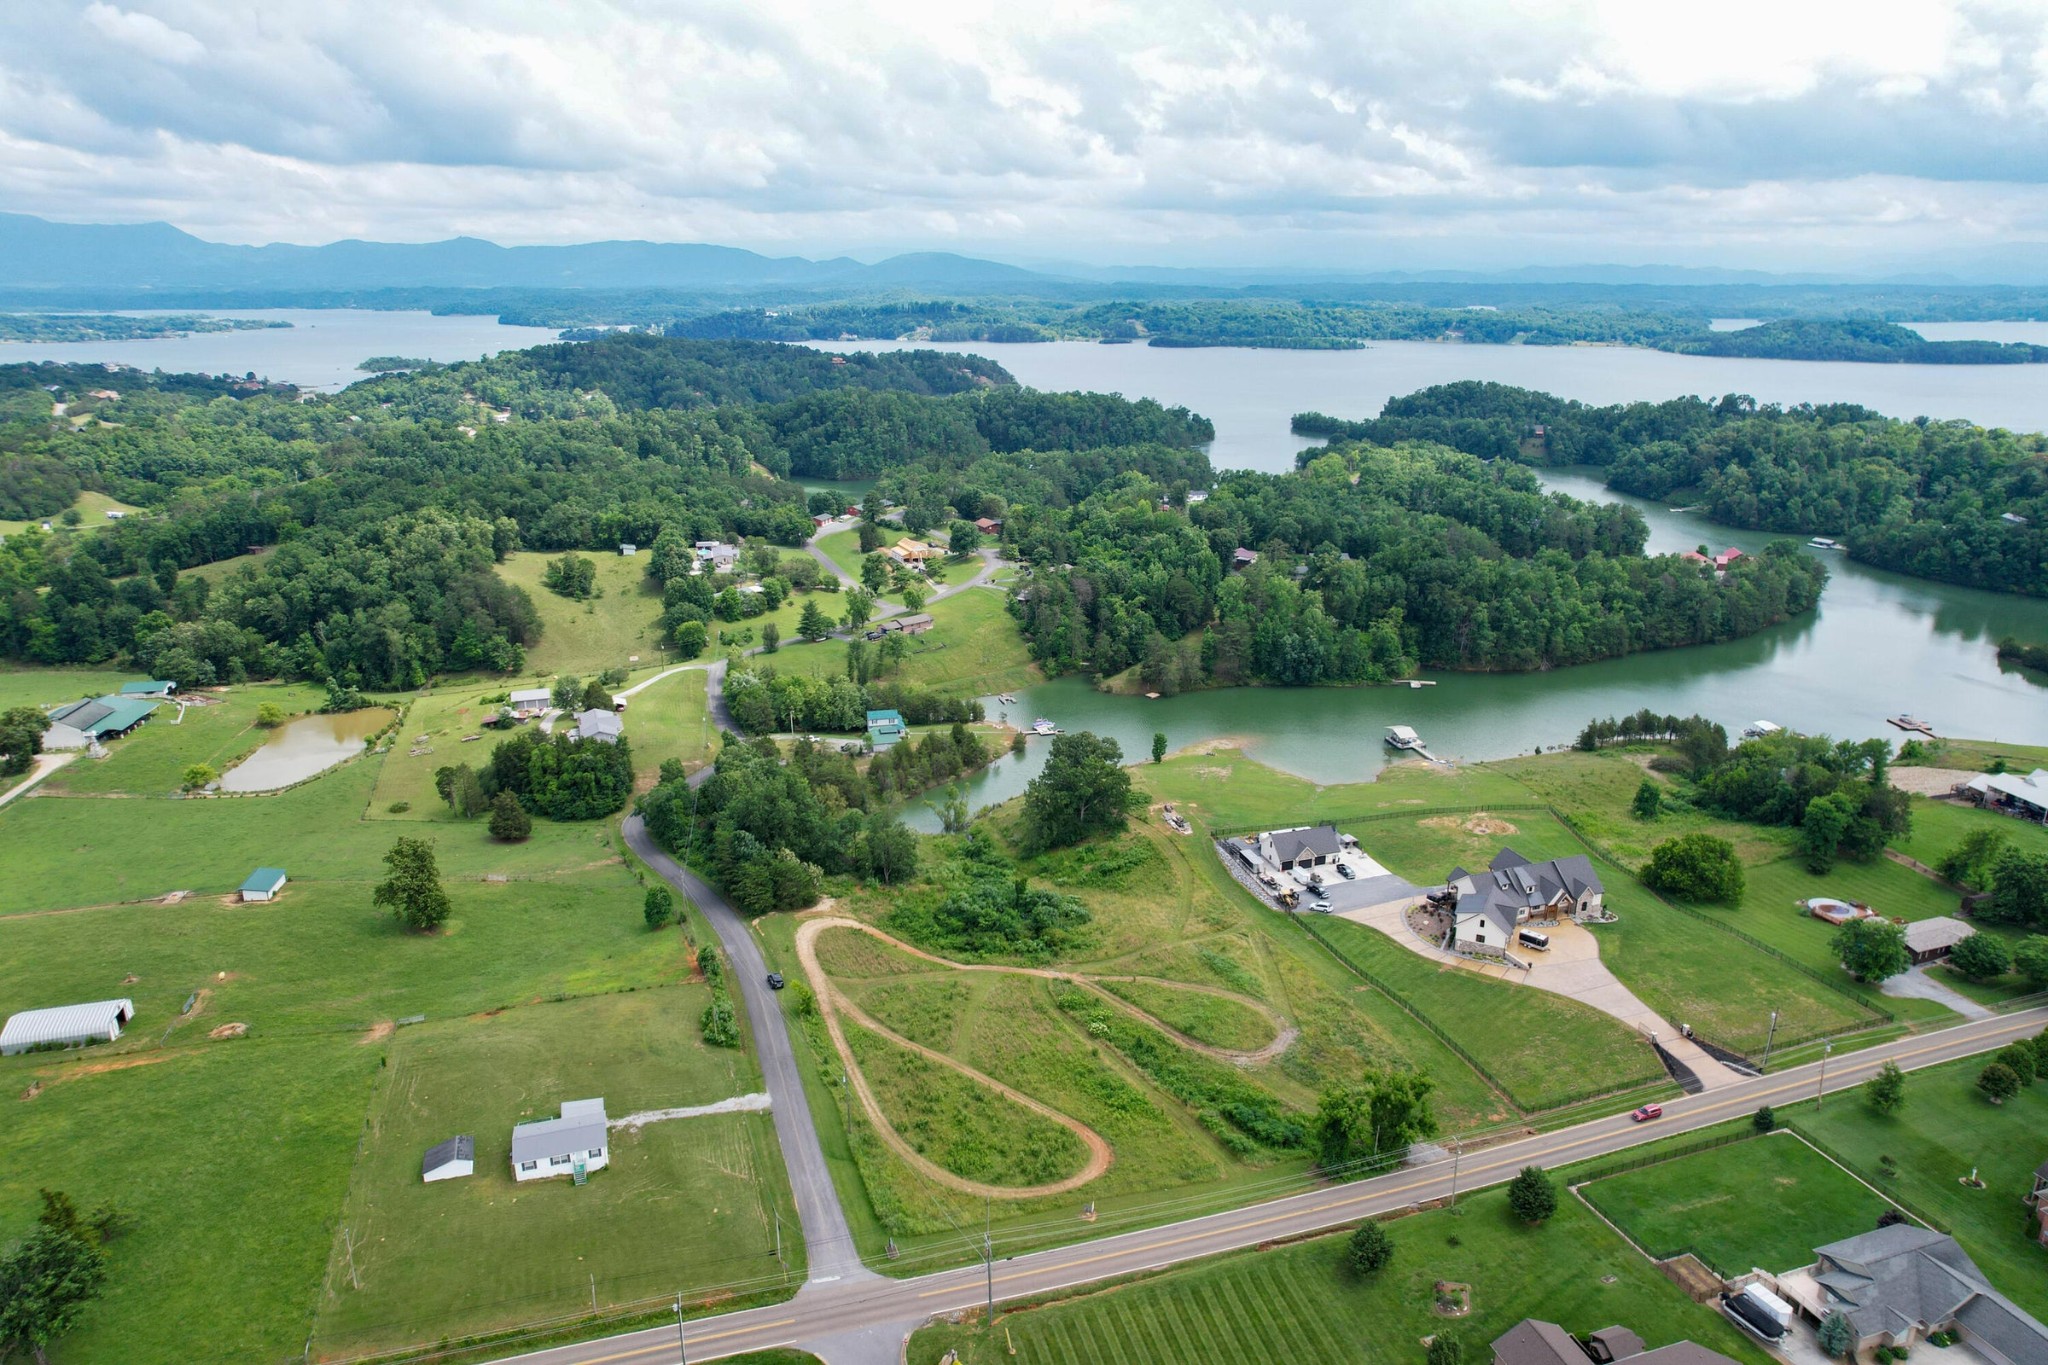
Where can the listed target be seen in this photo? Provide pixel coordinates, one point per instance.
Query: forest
(1946, 500)
(117, 327)
(1367, 564)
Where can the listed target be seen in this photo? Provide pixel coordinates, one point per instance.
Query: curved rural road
(850, 1324)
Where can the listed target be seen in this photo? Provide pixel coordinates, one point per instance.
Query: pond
(303, 748)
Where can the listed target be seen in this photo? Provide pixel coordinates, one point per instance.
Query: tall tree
(45, 1284)
(812, 623)
(1872, 950)
(21, 739)
(1532, 1195)
(412, 890)
(1384, 1112)
(658, 907)
(1886, 1091)
(509, 821)
(1082, 790)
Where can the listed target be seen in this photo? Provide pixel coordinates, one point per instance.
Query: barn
(65, 1026)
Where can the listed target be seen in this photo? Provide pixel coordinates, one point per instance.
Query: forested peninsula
(1946, 500)
(366, 528)
(117, 327)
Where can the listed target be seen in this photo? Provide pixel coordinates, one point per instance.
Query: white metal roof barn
(65, 1026)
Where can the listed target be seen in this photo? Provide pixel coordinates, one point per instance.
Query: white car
(1321, 907)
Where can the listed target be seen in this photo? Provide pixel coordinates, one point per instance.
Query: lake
(300, 748)
(320, 350)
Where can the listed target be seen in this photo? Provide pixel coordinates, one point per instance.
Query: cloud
(1161, 129)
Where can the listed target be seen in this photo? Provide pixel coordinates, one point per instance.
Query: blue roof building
(885, 728)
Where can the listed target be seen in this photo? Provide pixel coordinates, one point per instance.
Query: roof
(884, 718)
(599, 725)
(1514, 885)
(580, 1128)
(1290, 844)
(922, 618)
(526, 694)
(1678, 1353)
(64, 1023)
(1530, 1342)
(153, 687)
(2033, 788)
(1901, 1276)
(1619, 1341)
(103, 715)
(1942, 931)
(1243, 556)
(265, 879)
(441, 1153)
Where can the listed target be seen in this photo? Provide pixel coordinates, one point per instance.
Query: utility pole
(681, 1345)
(1454, 1172)
(1820, 1087)
(1770, 1038)
(988, 1255)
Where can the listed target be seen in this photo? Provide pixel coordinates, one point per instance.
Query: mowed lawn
(231, 1157)
(53, 686)
(1943, 1131)
(1298, 1304)
(973, 649)
(685, 1203)
(1763, 1203)
(586, 638)
(1938, 826)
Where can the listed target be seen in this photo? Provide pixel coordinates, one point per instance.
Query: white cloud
(144, 33)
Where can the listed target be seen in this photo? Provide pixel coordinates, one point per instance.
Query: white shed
(65, 1026)
(578, 1141)
(449, 1160)
(264, 884)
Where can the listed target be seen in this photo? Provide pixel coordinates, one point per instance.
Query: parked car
(775, 982)
(1321, 907)
(874, 635)
(1648, 1112)
(1344, 871)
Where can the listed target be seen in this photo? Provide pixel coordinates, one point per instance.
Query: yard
(408, 1268)
(1297, 1304)
(973, 648)
(1764, 1203)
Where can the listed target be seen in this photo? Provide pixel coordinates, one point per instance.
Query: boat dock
(1407, 741)
(1918, 727)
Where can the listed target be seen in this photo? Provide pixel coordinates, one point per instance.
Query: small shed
(916, 624)
(450, 1160)
(628, 548)
(264, 884)
(1241, 558)
(65, 1026)
(1930, 940)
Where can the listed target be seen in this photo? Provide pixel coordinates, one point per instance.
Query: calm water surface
(300, 748)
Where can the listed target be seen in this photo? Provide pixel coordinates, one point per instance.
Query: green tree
(412, 891)
(1970, 862)
(1082, 790)
(1159, 746)
(719, 1022)
(46, 1281)
(1998, 1082)
(870, 534)
(1764, 1119)
(2030, 960)
(21, 739)
(1445, 1349)
(1886, 1091)
(1980, 957)
(771, 636)
(465, 793)
(1822, 829)
(567, 692)
(874, 573)
(860, 605)
(951, 810)
(2019, 889)
(1697, 867)
(1649, 802)
(199, 775)
(658, 907)
(1532, 1195)
(595, 697)
(1369, 1248)
(1384, 1112)
(812, 623)
(963, 538)
(573, 576)
(509, 821)
(1835, 1336)
(690, 638)
(269, 714)
(1872, 950)
(1018, 744)
(2023, 1060)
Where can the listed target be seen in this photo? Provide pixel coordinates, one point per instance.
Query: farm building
(87, 722)
(450, 1160)
(573, 1144)
(915, 624)
(988, 526)
(530, 699)
(65, 1026)
(1485, 909)
(600, 725)
(153, 687)
(1930, 940)
(264, 884)
(885, 728)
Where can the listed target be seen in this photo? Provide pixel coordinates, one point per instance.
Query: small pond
(301, 748)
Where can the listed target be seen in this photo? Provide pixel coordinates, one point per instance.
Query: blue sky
(1773, 134)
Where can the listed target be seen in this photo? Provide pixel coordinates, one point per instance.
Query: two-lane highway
(849, 1321)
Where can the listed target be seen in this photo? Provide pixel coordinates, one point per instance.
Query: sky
(1793, 135)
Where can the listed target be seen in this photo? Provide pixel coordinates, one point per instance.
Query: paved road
(828, 1243)
(855, 1322)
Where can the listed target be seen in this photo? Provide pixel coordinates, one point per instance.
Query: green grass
(92, 510)
(586, 638)
(53, 686)
(973, 648)
(1938, 826)
(1212, 1019)
(231, 1157)
(1982, 753)
(152, 760)
(1597, 789)
(413, 1248)
(1762, 1204)
(1296, 1303)
(958, 1123)
(1231, 792)
(843, 549)
(220, 568)
(1943, 1131)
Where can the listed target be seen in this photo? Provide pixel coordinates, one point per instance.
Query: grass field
(52, 686)
(586, 638)
(1598, 789)
(152, 760)
(407, 1268)
(1761, 1204)
(1944, 1130)
(1212, 1019)
(1297, 1304)
(1939, 826)
(843, 549)
(973, 648)
(92, 510)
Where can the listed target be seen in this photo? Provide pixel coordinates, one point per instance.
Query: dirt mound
(35, 1088)
(1479, 823)
(236, 1030)
(381, 1030)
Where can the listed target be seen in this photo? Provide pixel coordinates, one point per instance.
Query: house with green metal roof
(263, 884)
(87, 722)
(885, 728)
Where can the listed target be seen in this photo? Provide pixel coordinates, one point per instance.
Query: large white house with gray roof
(1899, 1285)
(577, 1141)
(1486, 908)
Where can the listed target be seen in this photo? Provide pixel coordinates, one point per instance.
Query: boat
(1823, 543)
(1904, 722)
(1401, 737)
(1420, 682)
(1007, 700)
(1042, 726)
(1760, 729)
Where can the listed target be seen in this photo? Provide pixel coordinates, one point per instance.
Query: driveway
(1915, 984)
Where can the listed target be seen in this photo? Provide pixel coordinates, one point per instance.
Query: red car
(1648, 1112)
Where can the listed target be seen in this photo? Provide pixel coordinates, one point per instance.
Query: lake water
(300, 748)
(320, 350)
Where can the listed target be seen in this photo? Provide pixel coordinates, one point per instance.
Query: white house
(65, 1026)
(1287, 849)
(601, 725)
(578, 1140)
(450, 1160)
(263, 884)
(1487, 908)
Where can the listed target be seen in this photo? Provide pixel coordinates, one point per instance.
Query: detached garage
(263, 884)
(65, 1026)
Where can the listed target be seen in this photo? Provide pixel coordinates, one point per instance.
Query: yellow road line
(708, 1336)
